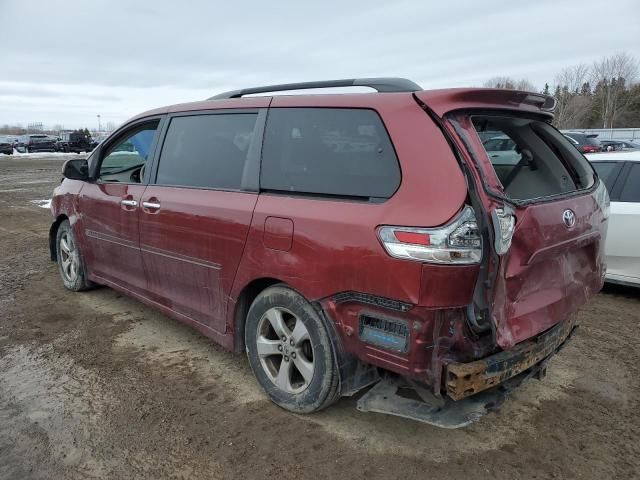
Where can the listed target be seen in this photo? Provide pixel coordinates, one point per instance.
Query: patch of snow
(16, 153)
(42, 203)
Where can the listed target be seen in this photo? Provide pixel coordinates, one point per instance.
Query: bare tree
(573, 77)
(612, 77)
(573, 96)
(510, 83)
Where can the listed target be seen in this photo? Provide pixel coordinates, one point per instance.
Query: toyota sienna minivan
(348, 240)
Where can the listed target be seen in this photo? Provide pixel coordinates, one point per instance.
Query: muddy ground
(95, 385)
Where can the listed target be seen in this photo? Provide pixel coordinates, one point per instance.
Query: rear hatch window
(530, 158)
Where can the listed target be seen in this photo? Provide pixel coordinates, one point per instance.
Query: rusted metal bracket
(467, 379)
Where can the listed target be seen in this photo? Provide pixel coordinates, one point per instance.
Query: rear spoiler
(443, 101)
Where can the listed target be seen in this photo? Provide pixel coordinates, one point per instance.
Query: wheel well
(245, 299)
(53, 233)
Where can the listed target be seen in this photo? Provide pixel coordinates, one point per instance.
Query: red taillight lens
(412, 237)
(458, 242)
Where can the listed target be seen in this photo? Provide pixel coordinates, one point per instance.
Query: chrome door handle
(129, 203)
(151, 205)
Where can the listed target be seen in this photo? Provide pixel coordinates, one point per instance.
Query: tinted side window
(329, 151)
(207, 151)
(631, 189)
(608, 172)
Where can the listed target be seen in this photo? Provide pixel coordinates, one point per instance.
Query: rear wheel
(70, 261)
(290, 351)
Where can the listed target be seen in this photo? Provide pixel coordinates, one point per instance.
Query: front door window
(125, 160)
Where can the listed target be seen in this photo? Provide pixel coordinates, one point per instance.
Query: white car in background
(502, 150)
(620, 171)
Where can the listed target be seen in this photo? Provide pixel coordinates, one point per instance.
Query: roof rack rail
(379, 84)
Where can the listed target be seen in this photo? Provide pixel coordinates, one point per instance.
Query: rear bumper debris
(465, 379)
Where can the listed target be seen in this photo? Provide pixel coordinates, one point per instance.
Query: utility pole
(99, 125)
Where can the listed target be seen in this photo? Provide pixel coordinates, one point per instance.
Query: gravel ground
(95, 385)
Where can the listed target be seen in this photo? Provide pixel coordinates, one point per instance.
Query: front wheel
(290, 351)
(70, 261)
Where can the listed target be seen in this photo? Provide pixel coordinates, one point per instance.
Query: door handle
(129, 203)
(151, 205)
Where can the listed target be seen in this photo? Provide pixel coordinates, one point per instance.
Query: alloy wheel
(68, 257)
(285, 351)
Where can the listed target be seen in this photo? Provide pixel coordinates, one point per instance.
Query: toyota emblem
(569, 218)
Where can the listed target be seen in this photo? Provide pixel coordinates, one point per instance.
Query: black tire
(322, 389)
(79, 280)
(26, 149)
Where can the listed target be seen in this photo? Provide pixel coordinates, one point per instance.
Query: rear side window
(328, 151)
(631, 189)
(608, 172)
(206, 151)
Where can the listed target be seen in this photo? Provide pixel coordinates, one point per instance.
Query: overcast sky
(65, 61)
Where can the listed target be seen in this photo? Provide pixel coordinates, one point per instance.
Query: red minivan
(347, 240)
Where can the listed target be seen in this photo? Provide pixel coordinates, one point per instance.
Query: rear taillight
(458, 242)
(504, 223)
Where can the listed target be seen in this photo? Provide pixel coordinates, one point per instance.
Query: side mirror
(76, 169)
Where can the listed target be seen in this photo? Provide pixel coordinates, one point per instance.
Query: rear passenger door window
(631, 189)
(328, 151)
(207, 151)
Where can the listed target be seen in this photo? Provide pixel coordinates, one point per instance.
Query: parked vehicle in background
(6, 146)
(611, 145)
(501, 150)
(585, 142)
(36, 143)
(76, 142)
(621, 173)
(345, 240)
(630, 145)
(503, 153)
